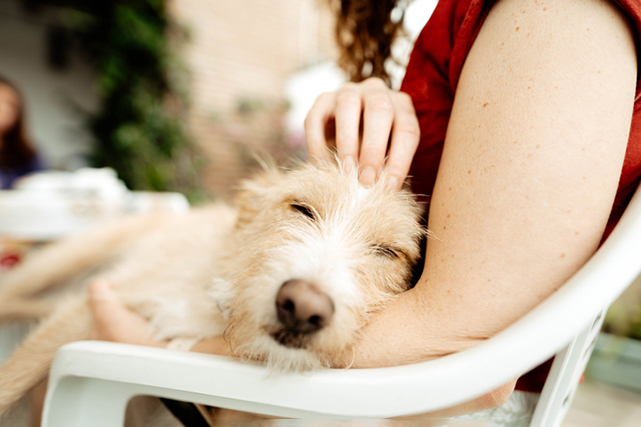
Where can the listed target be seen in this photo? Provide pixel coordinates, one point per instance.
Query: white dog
(290, 275)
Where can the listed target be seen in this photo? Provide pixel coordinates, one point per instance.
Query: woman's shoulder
(448, 36)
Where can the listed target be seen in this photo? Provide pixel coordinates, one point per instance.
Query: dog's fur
(218, 269)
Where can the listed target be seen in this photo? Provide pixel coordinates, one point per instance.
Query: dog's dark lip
(288, 339)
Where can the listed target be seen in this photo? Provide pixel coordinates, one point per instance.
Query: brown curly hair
(365, 31)
(16, 150)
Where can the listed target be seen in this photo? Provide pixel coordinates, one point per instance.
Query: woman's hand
(387, 135)
(115, 322)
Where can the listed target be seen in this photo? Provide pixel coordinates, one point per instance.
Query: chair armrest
(87, 372)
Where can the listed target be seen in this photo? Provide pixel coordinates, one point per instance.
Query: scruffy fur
(218, 269)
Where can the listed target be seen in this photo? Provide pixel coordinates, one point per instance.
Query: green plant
(635, 326)
(624, 318)
(139, 128)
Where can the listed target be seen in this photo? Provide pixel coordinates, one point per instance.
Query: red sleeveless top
(431, 79)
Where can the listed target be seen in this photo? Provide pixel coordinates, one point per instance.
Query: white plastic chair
(91, 382)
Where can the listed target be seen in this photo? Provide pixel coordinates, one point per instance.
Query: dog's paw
(221, 291)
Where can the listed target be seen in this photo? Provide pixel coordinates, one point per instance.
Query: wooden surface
(600, 405)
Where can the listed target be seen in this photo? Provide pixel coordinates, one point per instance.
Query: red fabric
(431, 79)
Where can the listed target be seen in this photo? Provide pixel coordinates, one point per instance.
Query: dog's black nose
(302, 308)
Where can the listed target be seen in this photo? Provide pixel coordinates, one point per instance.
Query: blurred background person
(18, 157)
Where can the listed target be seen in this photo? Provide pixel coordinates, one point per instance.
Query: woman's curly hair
(365, 31)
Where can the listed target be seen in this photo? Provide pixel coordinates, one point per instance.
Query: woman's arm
(529, 171)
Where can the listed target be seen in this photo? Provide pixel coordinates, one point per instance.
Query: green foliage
(139, 128)
(624, 318)
(635, 326)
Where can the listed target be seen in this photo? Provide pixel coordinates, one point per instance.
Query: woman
(514, 120)
(17, 154)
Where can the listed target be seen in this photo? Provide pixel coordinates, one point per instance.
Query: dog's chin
(296, 356)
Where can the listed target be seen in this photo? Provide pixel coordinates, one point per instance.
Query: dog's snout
(302, 308)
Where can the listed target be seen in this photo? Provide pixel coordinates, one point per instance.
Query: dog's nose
(302, 307)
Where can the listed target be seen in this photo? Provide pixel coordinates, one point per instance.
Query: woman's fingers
(315, 122)
(347, 118)
(371, 123)
(114, 321)
(406, 134)
(378, 116)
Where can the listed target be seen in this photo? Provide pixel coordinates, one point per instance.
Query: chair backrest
(569, 364)
(564, 377)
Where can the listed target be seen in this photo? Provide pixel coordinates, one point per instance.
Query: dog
(289, 275)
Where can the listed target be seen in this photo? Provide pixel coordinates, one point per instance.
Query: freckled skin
(551, 155)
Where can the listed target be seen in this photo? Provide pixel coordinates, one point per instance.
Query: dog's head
(316, 254)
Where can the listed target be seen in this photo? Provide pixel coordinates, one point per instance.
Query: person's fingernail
(367, 176)
(350, 164)
(392, 183)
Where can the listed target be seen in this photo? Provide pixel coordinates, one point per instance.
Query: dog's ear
(255, 193)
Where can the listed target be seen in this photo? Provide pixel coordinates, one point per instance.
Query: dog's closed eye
(303, 209)
(388, 252)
